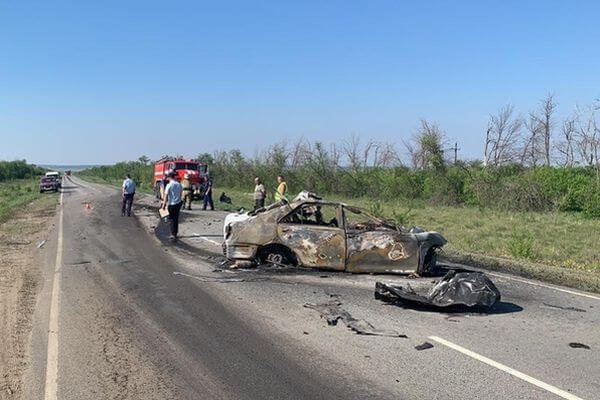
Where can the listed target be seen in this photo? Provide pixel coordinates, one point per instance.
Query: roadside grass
(19, 193)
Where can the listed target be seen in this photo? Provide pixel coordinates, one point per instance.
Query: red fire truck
(198, 173)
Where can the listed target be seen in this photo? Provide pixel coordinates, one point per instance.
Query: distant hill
(73, 168)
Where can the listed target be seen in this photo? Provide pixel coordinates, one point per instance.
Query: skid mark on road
(543, 385)
(51, 386)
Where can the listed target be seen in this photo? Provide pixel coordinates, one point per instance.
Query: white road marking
(509, 370)
(51, 386)
(590, 296)
(210, 240)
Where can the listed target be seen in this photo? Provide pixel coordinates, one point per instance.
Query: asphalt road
(125, 316)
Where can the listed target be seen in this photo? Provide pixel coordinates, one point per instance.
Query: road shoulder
(24, 244)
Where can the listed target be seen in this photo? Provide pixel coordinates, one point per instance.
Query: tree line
(18, 169)
(529, 163)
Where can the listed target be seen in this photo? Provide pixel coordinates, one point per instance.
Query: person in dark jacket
(208, 200)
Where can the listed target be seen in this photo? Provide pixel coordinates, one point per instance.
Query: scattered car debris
(79, 263)
(462, 288)
(424, 346)
(576, 345)
(565, 308)
(333, 312)
(41, 244)
(316, 233)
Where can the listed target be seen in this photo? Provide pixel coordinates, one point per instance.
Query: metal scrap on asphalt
(576, 345)
(333, 312)
(424, 346)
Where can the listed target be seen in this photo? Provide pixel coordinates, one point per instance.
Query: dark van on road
(49, 183)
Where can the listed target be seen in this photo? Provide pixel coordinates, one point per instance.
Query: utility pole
(456, 152)
(455, 149)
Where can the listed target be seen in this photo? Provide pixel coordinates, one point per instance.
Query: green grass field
(18, 193)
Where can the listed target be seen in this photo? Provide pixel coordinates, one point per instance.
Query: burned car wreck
(315, 233)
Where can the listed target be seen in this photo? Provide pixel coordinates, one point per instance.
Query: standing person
(128, 191)
(208, 200)
(187, 192)
(259, 194)
(173, 203)
(281, 192)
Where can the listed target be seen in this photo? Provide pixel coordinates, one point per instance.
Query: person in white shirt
(128, 192)
(172, 202)
(259, 194)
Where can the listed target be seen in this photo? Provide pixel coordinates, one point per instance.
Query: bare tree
(412, 153)
(566, 146)
(533, 144)
(503, 136)
(335, 155)
(371, 145)
(386, 156)
(540, 127)
(588, 135)
(300, 152)
(351, 149)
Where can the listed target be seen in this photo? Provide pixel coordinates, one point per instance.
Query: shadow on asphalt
(502, 307)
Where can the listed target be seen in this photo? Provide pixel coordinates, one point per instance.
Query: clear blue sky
(106, 81)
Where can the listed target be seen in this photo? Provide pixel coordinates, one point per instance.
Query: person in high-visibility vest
(187, 192)
(281, 192)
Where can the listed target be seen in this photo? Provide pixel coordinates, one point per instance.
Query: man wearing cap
(173, 203)
(187, 192)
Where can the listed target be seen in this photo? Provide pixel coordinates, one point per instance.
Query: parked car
(52, 174)
(51, 183)
(315, 233)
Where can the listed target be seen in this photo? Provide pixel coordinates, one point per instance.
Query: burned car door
(313, 232)
(375, 247)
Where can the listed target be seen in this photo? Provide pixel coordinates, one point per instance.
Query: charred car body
(315, 233)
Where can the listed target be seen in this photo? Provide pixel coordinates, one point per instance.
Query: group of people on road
(177, 195)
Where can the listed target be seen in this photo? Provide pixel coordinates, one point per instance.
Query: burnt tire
(277, 255)
(430, 266)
